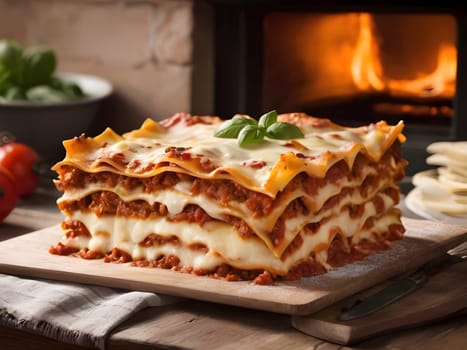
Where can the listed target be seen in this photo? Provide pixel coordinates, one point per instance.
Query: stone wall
(145, 48)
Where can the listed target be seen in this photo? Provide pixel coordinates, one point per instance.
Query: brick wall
(145, 48)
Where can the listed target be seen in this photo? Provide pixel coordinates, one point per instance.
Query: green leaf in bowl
(5, 82)
(44, 93)
(10, 55)
(38, 67)
(72, 90)
(69, 88)
(14, 93)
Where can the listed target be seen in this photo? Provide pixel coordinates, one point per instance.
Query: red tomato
(8, 195)
(21, 160)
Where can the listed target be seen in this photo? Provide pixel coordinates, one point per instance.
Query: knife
(398, 288)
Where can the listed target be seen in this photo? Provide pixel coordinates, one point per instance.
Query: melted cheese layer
(178, 197)
(108, 232)
(191, 147)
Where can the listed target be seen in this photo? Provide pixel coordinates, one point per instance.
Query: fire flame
(368, 73)
(366, 67)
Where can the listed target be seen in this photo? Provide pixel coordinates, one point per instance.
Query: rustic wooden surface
(202, 325)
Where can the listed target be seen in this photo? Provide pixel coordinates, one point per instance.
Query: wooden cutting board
(443, 295)
(27, 255)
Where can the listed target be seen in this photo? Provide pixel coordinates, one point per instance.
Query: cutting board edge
(196, 294)
(349, 335)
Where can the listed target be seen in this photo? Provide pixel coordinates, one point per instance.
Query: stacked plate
(441, 193)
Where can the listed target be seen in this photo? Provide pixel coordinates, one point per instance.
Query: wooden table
(201, 325)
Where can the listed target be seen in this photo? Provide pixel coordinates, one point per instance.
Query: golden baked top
(187, 144)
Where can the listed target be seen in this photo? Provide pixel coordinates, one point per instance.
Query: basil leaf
(72, 90)
(268, 119)
(69, 88)
(23, 70)
(10, 59)
(248, 131)
(250, 135)
(231, 128)
(38, 67)
(14, 93)
(44, 93)
(5, 82)
(284, 131)
(10, 54)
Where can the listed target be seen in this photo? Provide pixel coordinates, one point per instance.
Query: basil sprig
(249, 131)
(29, 74)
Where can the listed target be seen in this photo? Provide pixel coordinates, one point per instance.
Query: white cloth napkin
(72, 313)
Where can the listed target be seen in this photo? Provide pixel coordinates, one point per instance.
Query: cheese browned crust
(171, 194)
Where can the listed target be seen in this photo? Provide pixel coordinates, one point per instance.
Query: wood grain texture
(444, 295)
(27, 255)
(200, 325)
(11, 339)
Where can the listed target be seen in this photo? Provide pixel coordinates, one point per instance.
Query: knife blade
(397, 289)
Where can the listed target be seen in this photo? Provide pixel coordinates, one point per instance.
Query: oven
(354, 62)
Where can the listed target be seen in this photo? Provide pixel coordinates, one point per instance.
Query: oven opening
(354, 64)
(358, 67)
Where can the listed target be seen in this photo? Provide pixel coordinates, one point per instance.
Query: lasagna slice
(172, 195)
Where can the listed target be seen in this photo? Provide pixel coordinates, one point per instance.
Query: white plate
(413, 200)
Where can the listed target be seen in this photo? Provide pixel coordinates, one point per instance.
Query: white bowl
(44, 125)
